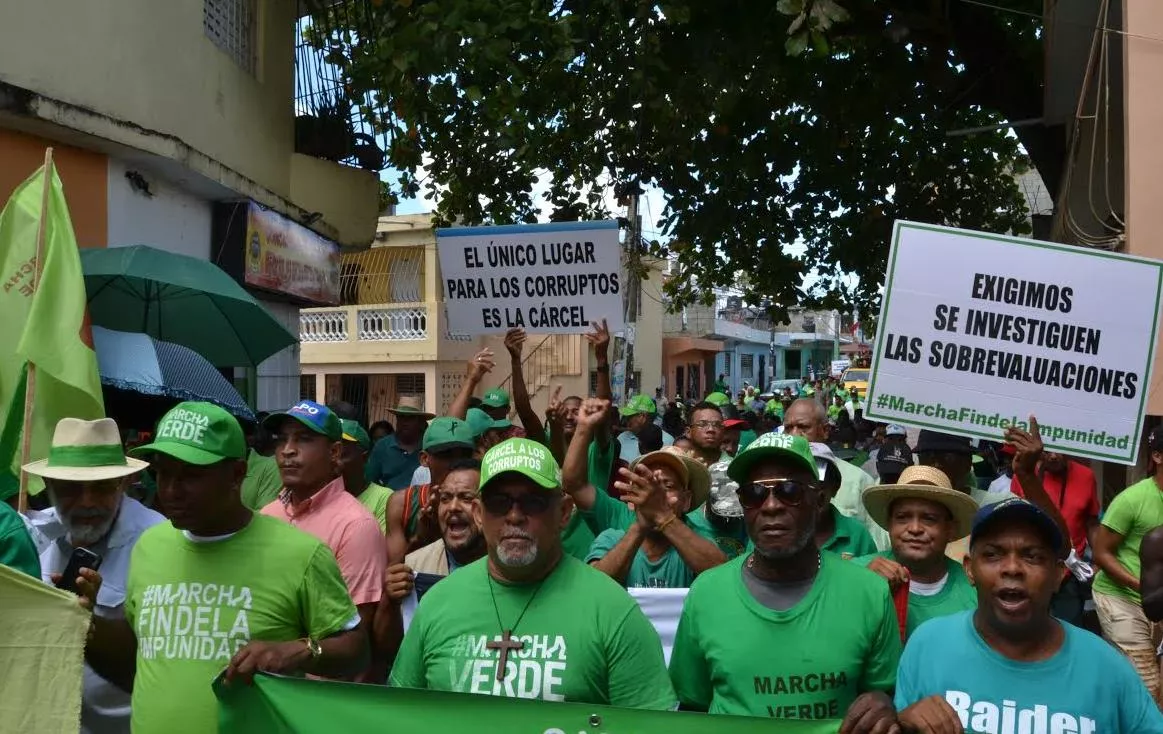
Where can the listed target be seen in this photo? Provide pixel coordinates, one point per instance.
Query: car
(856, 378)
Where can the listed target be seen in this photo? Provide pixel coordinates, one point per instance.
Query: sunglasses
(499, 503)
(788, 491)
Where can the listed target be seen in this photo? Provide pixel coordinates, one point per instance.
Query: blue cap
(1016, 508)
(314, 416)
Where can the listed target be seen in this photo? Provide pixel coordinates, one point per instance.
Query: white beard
(81, 535)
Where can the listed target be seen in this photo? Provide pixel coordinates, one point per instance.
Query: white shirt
(628, 445)
(104, 706)
(422, 475)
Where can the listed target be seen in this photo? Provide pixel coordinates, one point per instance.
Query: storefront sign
(286, 257)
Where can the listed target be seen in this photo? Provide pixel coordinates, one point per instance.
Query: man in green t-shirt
(529, 621)
(658, 551)
(218, 587)
(263, 481)
(923, 514)
(787, 631)
(352, 463)
(1133, 513)
(835, 531)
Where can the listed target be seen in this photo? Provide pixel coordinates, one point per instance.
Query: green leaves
(787, 137)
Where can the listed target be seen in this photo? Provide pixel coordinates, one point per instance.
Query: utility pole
(635, 285)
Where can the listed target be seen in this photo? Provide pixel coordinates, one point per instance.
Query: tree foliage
(813, 123)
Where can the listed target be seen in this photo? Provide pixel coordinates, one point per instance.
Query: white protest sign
(979, 331)
(546, 278)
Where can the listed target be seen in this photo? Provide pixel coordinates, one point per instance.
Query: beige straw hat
(924, 483)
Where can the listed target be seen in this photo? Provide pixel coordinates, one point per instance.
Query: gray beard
(81, 535)
(808, 535)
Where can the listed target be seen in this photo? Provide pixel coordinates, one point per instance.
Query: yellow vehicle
(856, 378)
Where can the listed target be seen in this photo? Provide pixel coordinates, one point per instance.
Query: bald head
(805, 417)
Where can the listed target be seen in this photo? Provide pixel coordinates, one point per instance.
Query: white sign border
(1072, 450)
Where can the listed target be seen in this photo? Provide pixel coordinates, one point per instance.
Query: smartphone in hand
(81, 558)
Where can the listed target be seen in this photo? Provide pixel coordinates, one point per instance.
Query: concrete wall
(1143, 22)
(171, 219)
(150, 63)
(349, 197)
(648, 339)
(278, 376)
(83, 174)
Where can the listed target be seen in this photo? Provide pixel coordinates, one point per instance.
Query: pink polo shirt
(351, 532)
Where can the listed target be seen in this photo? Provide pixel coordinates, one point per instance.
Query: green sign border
(900, 225)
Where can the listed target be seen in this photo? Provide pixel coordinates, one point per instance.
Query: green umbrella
(180, 299)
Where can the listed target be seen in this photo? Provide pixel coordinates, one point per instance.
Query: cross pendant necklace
(507, 643)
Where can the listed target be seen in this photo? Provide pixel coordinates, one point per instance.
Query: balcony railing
(323, 325)
(395, 323)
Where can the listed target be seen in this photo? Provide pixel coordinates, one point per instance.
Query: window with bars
(746, 365)
(233, 27)
(727, 366)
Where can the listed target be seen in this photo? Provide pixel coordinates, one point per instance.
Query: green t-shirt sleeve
(17, 549)
(1120, 516)
(600, 464)
(637, 670)
(603, 544)
(880, 670)
(689, 671)
(327, 607)
(408, 668)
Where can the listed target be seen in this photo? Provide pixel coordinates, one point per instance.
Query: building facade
(169, 123)
(389, 336)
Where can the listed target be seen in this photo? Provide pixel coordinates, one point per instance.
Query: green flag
(44, 324)
(278, 705)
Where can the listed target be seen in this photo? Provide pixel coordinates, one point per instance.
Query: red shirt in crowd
(1076, 498)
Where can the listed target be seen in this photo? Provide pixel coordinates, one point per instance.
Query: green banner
(278, 705)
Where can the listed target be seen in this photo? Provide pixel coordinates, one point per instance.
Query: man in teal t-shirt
(922, 514)
(658, 550)
(786, 631)
(1009, 666)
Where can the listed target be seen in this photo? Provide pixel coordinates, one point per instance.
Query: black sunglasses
(788, 491)
(499, 503)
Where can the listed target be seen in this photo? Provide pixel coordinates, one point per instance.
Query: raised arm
(575, 479)
(480, 365)
(555, 424)
(1029, 452)
(599, 340)
(515, 343)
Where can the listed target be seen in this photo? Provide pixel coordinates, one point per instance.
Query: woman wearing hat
(659, 550)
(922, 514)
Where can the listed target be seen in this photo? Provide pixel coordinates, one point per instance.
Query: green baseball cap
(446, 433)
(197, 433)
(718, 398)
(521, 456)
(637, 405)
(772, 446)
(317, 418)
(495, 398)
(353, 432)
(480, 422)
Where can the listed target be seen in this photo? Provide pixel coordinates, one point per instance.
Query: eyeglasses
(787, 491)
(499, 503)
(707, 424)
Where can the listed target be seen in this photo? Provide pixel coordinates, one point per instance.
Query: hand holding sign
(1028, 445)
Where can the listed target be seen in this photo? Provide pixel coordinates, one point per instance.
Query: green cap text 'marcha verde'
(197, 433)
(521, 456)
